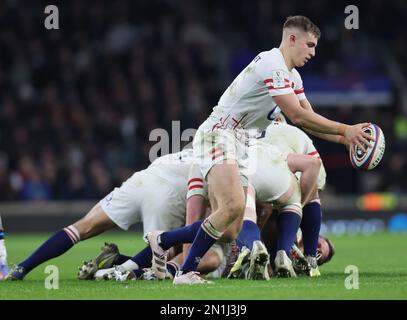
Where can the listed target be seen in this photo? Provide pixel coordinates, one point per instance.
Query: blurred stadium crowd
(77, 104)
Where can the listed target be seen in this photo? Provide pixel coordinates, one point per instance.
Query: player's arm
(196, 207)
(309, 167)
(196, 195)
(196, 199)
(302, 117)
(325, 136)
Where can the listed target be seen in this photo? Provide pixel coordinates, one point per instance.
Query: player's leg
(217, 152)
(165, 212)
(226, 190)
(3, 253)
(311, 224)
(288, 222)
(138, 266)
(123, 206)
(310, 227)
(253, 258)
(161, 241)
(249, 232)
(209, 262)
(94, 223)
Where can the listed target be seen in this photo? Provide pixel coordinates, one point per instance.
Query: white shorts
(148, 198)
(212, 147)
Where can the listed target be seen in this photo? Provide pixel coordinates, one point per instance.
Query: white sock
(130, 265)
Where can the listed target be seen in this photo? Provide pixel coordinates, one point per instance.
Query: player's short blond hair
(302, 23)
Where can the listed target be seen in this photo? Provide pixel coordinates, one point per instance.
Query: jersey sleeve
(196, 182)
(310, 149)
(273, 75)
(298, 86)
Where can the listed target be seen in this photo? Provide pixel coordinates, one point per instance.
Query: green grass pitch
(381, 260)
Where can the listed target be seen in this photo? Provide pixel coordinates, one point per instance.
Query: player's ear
(292, 38)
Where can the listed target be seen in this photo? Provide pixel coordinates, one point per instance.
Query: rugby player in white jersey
(291, 140)
(272, 182)
(155, 196)
(270, 80)
(275, 183)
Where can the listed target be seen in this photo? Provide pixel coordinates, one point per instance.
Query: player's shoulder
(273, 58)
(184, 156)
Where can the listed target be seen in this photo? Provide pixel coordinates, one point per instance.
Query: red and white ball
(374, 154)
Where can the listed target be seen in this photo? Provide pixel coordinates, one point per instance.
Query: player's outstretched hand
(355, 135)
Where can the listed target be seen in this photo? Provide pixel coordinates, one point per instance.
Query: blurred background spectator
(77, 104)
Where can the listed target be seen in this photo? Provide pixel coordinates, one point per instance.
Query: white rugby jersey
(269, 172)
(289, 139)
(174, 168)
(247, 103)
(196, 182)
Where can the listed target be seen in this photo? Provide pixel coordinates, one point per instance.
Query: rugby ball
(374, 154)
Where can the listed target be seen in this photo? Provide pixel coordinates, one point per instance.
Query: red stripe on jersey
(195, 187)
(312, 153)
(271, 80)
(195, 180)
(299, 91)
(286, 86)
(218, 155)
(215, 150)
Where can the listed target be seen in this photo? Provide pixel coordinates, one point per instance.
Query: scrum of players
(242, 203)
(171, 192)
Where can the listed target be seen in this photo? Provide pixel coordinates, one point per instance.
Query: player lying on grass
(155, 196)
(3, 253)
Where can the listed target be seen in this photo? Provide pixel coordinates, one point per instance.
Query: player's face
(323, 250)
(304, 48)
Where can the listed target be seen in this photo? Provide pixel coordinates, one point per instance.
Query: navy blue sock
(288, 224)
(138, 272)
(121, 259)
(172, 268)
(202, 242)
(143, 258)
(56, 245)
(250, 232)
(186, 234)
(310, 227)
